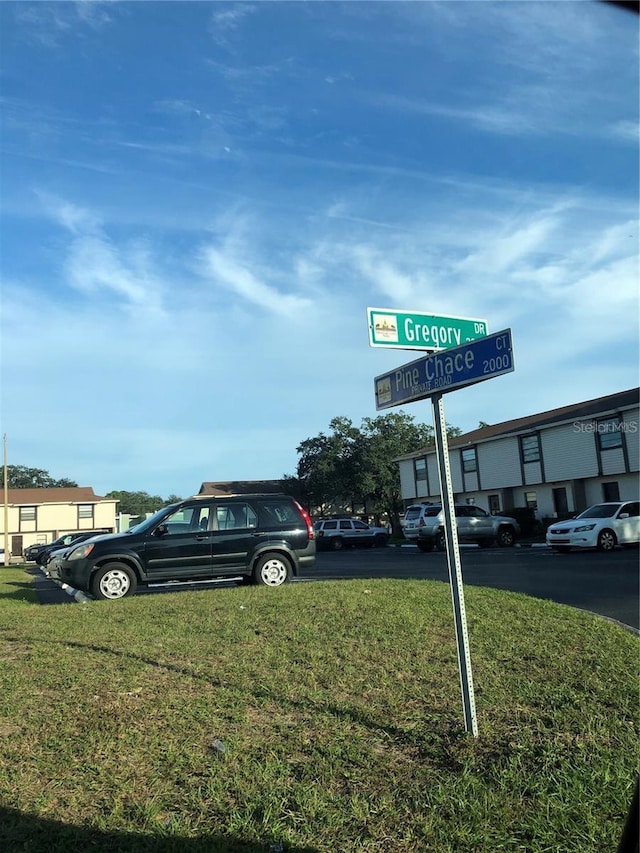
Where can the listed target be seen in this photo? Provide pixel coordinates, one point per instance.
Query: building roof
(242, 487)
(600, 406)
(57, 495)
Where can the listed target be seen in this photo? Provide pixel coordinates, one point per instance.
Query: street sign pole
(454, 565)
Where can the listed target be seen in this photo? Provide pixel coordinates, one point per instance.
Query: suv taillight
(307, 518)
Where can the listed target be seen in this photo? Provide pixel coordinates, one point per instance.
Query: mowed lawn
(316, 717)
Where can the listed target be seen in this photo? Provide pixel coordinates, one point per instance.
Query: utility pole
(6, 503)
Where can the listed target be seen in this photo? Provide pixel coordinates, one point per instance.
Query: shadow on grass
(21, 592)
(439, 745)
(26, 832)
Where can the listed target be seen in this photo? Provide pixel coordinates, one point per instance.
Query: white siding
(568, 453)
(532, 473)
(455, 464)
(407, 481)
(471, 482)
(499, 463)
(632, 437)
(432, 473)
(613, 461)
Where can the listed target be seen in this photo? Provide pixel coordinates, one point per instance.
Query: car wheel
(380, 540)
(336, 543)
(425, 547)
(561, 549)
(115, 580)
(506, 537)
(606, 540)
(441, 542)
(272, 570)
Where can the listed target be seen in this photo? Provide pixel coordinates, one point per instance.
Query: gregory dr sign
(421, 330)
(445, 371)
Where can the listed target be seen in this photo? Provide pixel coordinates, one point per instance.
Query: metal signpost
(432, 376)
(419, 330)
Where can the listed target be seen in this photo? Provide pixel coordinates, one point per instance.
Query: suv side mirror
(160, 530)
(624, 515)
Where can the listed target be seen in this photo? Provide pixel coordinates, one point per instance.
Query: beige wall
(53, 519)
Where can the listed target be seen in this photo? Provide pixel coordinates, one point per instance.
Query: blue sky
(200, 200)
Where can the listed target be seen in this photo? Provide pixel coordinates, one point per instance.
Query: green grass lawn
(339, 712)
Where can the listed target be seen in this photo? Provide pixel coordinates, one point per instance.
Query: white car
(602, 526)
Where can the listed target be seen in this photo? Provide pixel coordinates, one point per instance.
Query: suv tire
(506, 537)
(441, 542)
(113, 580)
(425, 547)
(272, 570)
(336, 543)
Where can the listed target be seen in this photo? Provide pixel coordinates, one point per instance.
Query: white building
(557, 462)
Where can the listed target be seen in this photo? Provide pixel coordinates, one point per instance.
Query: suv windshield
(152, 520)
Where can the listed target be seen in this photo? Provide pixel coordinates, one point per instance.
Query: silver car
(474, 524)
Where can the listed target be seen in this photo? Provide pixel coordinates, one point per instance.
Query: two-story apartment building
(556, 462)
(41, 515)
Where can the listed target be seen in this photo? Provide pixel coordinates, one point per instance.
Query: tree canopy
(354, 466)
(21, 477)
(140, 503)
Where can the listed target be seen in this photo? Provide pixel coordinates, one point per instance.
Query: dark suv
(263, 538)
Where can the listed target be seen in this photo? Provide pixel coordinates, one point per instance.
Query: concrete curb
(464, 545)
(74, 593)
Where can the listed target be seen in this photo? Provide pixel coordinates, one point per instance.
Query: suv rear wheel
(441, 542)
(272, 570)
(425, 547)
(337, 543)
(113, 580)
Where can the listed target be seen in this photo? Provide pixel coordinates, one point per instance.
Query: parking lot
(607, 584)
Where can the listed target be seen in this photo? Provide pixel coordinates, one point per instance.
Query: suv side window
(277, 512)
(184, 520)
(331, 525)
(477, 511)
(345, 525)
(633, 509)
(360, 525)
(235, 516)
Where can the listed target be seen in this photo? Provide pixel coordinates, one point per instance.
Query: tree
(140, 503)
(21, 477)
(354, 465)
(325, 468)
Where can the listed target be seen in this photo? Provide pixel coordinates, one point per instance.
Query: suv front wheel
(113, 580)
(506, 537)
(272, 570)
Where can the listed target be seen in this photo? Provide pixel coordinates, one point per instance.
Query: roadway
(606, 584)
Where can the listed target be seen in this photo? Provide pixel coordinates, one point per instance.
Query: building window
(531, 500)
(610, 492)
(530, 448)
(609, 433)
(421, 469)
(27, 513)
(85, 511)
(469, 460)
(494, 504)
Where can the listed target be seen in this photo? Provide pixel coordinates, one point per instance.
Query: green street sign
(420, 330)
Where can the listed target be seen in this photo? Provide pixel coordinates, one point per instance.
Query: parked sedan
(602, 526)
(336, 533)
